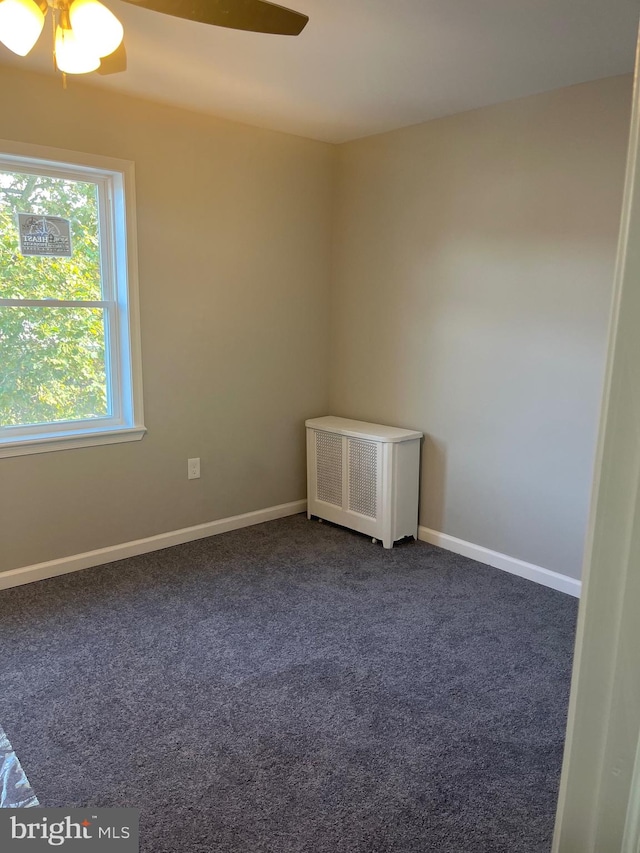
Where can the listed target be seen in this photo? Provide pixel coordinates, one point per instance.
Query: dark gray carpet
(292, 687)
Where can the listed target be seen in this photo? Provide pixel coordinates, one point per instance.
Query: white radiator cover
(364, 476)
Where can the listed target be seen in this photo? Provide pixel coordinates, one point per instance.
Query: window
(69, 341)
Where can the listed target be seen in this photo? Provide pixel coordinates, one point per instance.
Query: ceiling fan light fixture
(72, 56)
(95, 26)
(21, 23)
(86, 30)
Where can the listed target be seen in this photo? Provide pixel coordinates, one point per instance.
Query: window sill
(69, 440)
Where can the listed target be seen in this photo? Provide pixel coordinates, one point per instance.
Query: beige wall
(234, 232)
(473, 276)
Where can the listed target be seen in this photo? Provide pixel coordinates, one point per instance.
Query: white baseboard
(39, 571)
(563, 583)
(76, 562)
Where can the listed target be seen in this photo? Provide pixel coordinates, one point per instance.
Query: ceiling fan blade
(257, 16)
(115, 62)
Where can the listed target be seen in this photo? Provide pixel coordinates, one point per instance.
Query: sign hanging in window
(44, 235)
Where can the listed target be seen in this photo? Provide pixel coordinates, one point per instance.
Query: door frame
(599, 799)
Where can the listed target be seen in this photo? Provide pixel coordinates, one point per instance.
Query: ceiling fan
(89, 37)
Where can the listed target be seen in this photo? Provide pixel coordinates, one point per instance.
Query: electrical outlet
(193, 468)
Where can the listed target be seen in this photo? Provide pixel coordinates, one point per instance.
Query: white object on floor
(15, 790)
(364, 476)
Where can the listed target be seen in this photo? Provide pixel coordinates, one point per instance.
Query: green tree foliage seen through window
(52, 359)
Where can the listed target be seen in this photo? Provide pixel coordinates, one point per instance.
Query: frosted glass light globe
(72, 56)
(95, 26)
(21, 23)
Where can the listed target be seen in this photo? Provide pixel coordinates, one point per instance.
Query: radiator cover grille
(329, 468)
(363, 477)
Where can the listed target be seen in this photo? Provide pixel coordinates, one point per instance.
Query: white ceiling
(365, 66)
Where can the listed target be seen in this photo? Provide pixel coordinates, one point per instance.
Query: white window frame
(119, 272)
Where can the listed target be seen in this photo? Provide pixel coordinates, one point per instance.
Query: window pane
(28, 277)
(52, 365)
